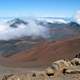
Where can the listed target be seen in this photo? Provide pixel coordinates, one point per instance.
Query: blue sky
(55, 8)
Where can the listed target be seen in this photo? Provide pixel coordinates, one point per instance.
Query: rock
(14, 78)
(77, 55)
(5, 77)
(60, 65)
(73, 70)
(34, 75)
(49, 71)
(10, 77)
(75, 61)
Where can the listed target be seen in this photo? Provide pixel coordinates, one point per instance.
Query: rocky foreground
(59, 70)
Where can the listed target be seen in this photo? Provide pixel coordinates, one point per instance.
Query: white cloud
(77, 16)
(32, 29)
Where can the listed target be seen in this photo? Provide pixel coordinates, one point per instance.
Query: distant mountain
(15, 22)
(74, 26)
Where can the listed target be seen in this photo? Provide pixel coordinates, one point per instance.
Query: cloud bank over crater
(31, 29)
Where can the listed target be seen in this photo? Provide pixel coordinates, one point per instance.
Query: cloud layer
(31, 29)
(77, 16)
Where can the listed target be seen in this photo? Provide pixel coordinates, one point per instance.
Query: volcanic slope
(45, 53)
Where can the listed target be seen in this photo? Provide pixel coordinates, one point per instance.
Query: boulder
(73, 70)
(61, 64)
(75, 61)
(49, 71)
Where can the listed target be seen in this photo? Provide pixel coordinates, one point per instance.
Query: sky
(39, 8)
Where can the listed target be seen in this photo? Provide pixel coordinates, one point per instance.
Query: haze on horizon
(39, 8)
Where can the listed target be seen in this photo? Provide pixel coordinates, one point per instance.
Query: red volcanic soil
(45, 54)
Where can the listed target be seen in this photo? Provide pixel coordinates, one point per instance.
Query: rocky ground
(59, 70)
